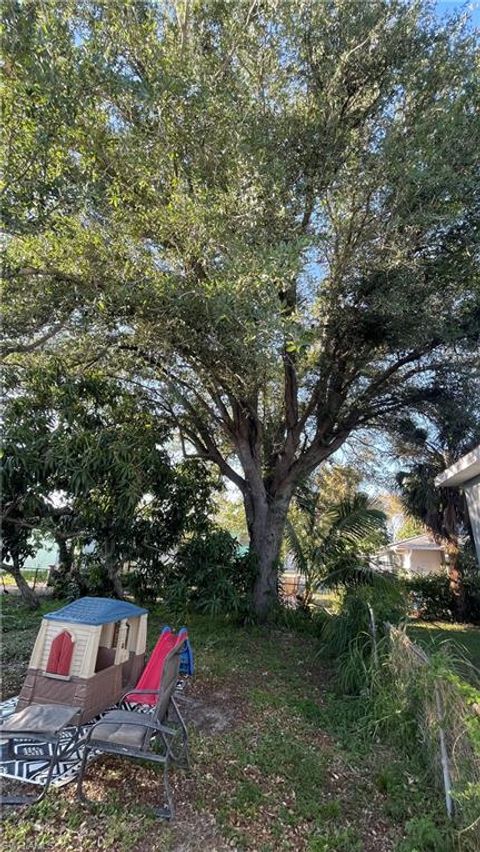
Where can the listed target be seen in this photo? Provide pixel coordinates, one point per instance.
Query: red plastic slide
(151, 676)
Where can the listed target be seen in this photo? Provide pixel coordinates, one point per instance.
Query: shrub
(210, 575)
(423, 835)
(301, 620)
(472, 599)
(384, 596)
(433, 599)
(348, 635)
(145, 581)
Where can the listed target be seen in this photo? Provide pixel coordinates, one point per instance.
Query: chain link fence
(448, 719)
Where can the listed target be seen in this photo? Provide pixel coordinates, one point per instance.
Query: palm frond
(297, 553)
(352, 519)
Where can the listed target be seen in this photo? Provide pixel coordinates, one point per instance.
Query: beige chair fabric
(116, 730)
(40, 719)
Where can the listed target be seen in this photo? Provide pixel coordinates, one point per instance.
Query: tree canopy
(265, 213)
(85, 461)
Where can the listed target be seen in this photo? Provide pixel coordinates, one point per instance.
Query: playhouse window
(60, 656)
(116, 631)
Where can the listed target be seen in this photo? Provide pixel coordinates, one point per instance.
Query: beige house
(419, 554)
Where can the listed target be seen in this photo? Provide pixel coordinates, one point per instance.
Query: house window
(116, 631)
(60, 656)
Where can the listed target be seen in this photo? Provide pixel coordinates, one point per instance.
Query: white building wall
(426, 562)
(472, 493)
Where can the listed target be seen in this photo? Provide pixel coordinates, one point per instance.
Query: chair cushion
(113, 728)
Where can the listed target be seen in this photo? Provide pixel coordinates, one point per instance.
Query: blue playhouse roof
(95, 611)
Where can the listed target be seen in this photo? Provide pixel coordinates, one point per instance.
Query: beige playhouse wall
(121, 653)
(136, 637)
(106, 636)
(141, 635)
(85, 637)
(37, 652)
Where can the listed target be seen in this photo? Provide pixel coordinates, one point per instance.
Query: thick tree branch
(10, 348)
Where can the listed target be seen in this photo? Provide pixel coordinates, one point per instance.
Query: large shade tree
(264, 212)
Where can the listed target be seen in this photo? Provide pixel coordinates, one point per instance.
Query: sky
(446, 6)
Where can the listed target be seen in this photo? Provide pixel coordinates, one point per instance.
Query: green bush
(472, 599)
(432, 598)
(348, 636)
(300, 620)
(384, 596)
(146, 580)
(422, 835)
(210, 575)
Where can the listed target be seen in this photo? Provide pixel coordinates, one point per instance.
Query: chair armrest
(140, 692)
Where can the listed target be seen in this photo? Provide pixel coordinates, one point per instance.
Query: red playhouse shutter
(60, 657)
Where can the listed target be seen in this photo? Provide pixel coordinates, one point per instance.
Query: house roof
(465, 469)
(95, 611)
(415, 542)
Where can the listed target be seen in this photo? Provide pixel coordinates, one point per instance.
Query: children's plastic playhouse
(86, 655)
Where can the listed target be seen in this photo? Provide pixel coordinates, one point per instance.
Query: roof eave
(460, 473)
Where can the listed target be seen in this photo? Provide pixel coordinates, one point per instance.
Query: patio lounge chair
(45, 724)
(130, 733)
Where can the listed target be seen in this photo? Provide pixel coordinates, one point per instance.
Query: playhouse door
(60, 656)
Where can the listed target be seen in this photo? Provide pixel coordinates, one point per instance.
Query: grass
(464, 637)
(30, 574)
(280, 762)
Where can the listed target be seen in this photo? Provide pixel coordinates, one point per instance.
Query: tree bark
(28, 596)
(266, 519)
(59, 574)
(65, 557)
(457, 586)
(112, 568)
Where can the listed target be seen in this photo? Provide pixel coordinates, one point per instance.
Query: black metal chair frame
(155, 731)
(57, 755)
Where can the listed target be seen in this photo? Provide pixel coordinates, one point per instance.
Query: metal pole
(447, 781)
(373, 631)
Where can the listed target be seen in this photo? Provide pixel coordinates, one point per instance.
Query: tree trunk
(266, 523)
(455, 577)
(112, 568)
(28, 596)
(65, 557)
(58, 575)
